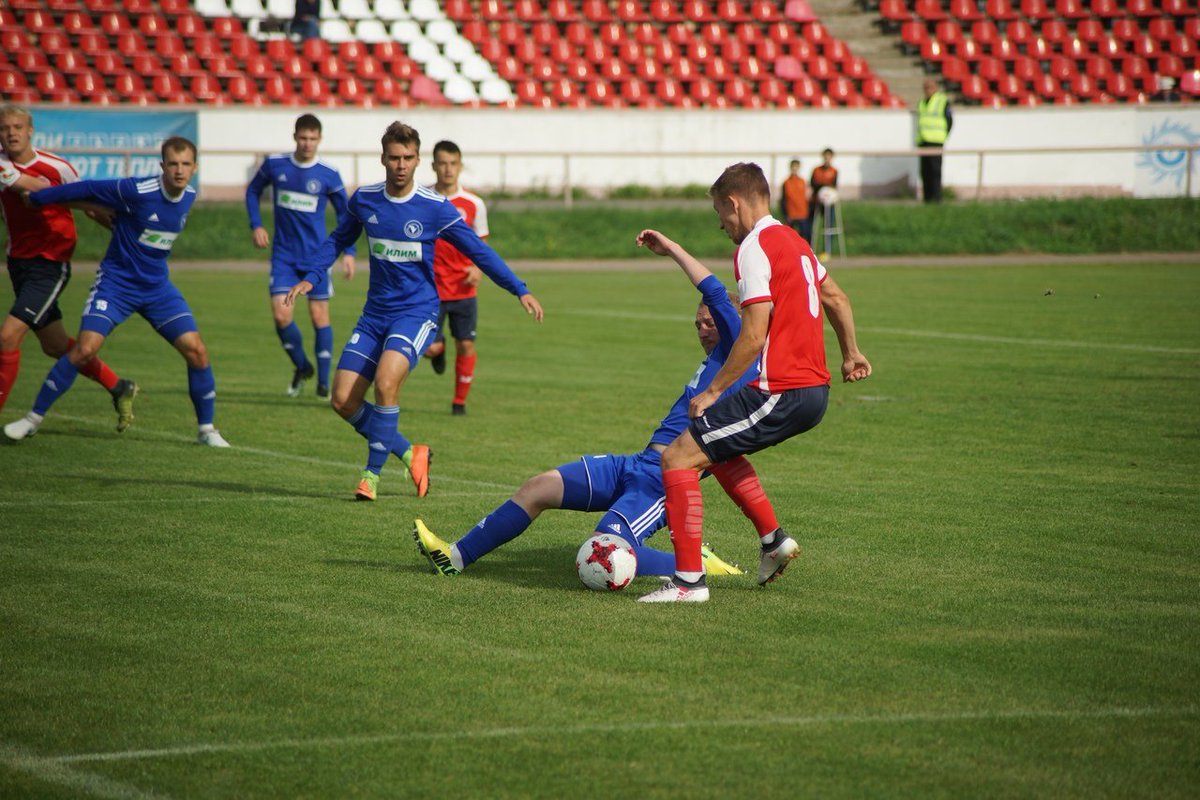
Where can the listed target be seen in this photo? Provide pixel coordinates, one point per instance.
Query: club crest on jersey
(313, 186)
(389, 250)
(413, 229)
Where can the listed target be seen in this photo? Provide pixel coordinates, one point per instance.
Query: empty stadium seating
(1029, 52)
(575, 53)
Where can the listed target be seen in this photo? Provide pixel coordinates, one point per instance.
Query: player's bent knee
(541, 492)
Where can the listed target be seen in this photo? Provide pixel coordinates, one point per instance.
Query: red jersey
(47, 232)
(449, 264)
(774, 264)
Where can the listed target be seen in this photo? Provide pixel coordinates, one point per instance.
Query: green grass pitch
(999, 593)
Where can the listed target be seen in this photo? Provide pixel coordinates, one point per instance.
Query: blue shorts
(629, 489)
(108, 305)
(285, 274)
(410, 334)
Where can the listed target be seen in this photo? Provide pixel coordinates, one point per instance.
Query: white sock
(36, 419)
(456, 558)
(770, 538)
(690, 577)
(209, 428)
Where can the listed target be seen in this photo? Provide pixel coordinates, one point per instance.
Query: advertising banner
(116, 134)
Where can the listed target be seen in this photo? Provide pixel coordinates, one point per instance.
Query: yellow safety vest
(931, 119)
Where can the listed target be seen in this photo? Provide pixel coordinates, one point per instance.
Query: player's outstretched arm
(660, 245)
(855, 365)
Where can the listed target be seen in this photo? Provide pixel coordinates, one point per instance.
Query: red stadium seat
(114, 24)
(186, 65)
(1121, 87)
(493, 10)
(109, 63)
(1106, 9)
(965, 10)
(1098, 68)
(295, 67)
(352, 91)
(51, 83)
(206, 89)
(89, 84)
(1178, 8)
(991, 70)
(1005, 50)
(913, 35)
(1091, 31)
(167, 45)
(526, 10)
(278, 89)
(167, 86)
(856, 68)
(333, 68)
(1061, 69)
(1084, 87)
(929, 10)
(1073, 48)
(1136, 69)
(128, 85)
(71, 63)
(146, 65)
(315, 91)
(631, 11)
(1162, 29)
(562, 11)
(152, 25)
(1039, 48)
(596, 11)
(947, 32)
(601, 93)
(223, 67)
(1189, 82)
(1020, 32)
(207, 46)
(1010, 88)
(1141, 8)
(226, 27)
(1026, 69)
(175, 7)
(1146, 47)
(510, 69)
(316, 49)
(1071, 9)
(32, 61)
(1000, 10)
(1126, 30)
(932, 51)
(1047, 87)
(875, 90)
(1109, 48)
(369, 68)
(966, 50)
(821, 69)
(53, 43)
(77, 22)
(976, 89)
(1056, 32)
(39, 21)
(984, 32)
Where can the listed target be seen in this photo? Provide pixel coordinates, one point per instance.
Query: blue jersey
(729, 325)
(147, 224)
(401, 232)
(302, 192)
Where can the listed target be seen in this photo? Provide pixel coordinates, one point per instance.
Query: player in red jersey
(784, 289)
(40, 244)
(456, 276)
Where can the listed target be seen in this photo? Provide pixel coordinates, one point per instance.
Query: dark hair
(177, 144)
(308, 122)
(399, 133)
(446, 146)
(828, 151)
(795, 162)
(744, 180)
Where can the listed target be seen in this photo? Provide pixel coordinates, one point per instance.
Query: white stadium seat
(439, 68)
(459, 90)
(495, 91)
(441, 30)
(354, 9)
(391, 10)
(476, 68)
(425, 10)
(328, 10)
(247, 9)
(421, 49)
(372, 30)
(281, 9)
(406, 30)
(336, 30)
(212, 8)
(458, 49)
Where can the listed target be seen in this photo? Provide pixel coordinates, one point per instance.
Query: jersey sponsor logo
(390, 250)
(313, 186)
(297, 201)
(413, 229)
(159, 240)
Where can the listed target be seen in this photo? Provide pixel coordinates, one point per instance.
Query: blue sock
(654, 562)
(293, 343)
(380, 433)
(324, 337)
(360, 420)
(202, 386)
(501, 526)
(58, 380)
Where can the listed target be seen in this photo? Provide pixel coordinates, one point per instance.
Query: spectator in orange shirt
(795, 201)
(822, 176)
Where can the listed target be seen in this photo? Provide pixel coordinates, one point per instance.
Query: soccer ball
(606, 562)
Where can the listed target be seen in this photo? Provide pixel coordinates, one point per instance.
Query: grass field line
(550, 731)
(54, 771)
(965, 337)
(275, 454)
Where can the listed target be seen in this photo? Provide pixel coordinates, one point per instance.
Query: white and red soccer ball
(606, 563)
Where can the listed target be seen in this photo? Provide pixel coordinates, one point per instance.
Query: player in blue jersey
(134, 278)
(399, 319)
(629, 486)
(302, 186)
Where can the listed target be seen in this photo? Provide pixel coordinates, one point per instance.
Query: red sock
(739, 480)
(464, 371)
(10, 365)
(685, 517)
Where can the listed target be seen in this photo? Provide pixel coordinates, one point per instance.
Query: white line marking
(544, 732)
(53, 771)
(973, 337)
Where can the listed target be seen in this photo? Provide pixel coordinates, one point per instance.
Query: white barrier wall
(600, 149)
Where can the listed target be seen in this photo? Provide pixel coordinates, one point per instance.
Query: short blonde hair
(14, 110)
